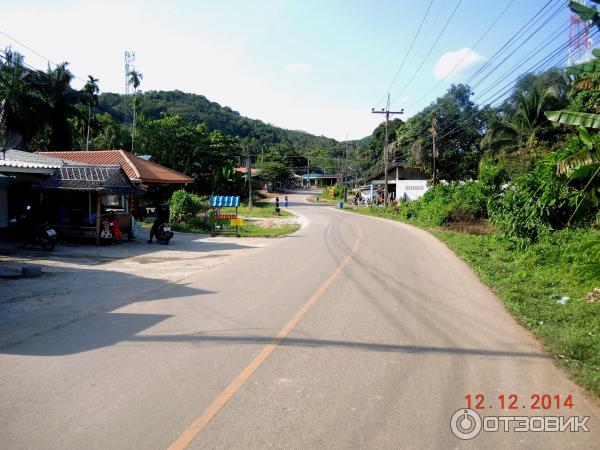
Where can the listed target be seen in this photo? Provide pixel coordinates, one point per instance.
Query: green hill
(198, 109)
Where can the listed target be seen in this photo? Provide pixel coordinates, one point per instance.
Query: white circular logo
(465, 424)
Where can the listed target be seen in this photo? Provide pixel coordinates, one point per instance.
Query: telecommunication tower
(580, 43)
(129, 60)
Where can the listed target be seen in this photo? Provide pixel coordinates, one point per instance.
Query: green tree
(21, 105)
(61, 105)
(135, 79)
(90, 98)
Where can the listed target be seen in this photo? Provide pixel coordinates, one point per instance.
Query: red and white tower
(580, 43)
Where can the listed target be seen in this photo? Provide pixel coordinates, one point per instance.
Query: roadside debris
(593, 296)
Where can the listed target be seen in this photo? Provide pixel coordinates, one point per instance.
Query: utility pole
(433, 131)
(308, 167)
(387, 113)
(345, 169)
(249, 176)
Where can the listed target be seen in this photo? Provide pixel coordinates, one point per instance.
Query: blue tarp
(222, 201)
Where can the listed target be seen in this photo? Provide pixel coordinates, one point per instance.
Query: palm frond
(582, 119)
(574, 162)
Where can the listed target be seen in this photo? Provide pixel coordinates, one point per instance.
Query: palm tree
(90, 94)
(21, 107)
(522, 129)
(61, 102)
(135, 79)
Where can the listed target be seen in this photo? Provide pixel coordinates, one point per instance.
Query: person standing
(277, 202)
(285, 201)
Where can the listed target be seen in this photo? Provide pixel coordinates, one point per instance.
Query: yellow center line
(185, 438)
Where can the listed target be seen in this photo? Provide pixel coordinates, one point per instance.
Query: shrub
(535, 203)
(448, 203)
(185, 206)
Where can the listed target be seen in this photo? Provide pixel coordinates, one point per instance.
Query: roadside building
(19, 171)
(320, 180)
(159, 180)
(77, 198)
(405, 182)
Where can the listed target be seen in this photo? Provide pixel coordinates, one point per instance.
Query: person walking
(277, 202)
(285, 201)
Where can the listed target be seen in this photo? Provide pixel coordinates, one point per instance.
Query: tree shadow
(69, 297)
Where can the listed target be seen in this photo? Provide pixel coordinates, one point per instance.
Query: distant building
(405, 182)
(320, 180)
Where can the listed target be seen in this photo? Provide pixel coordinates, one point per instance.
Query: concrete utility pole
(387, 113)
(249, 176)
(345, 170)
(433, 131)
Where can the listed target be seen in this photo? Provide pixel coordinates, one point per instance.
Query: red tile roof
(137, 169)
(243, 169)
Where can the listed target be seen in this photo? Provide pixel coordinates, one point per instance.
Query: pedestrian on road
(276, 202)
(286, 201)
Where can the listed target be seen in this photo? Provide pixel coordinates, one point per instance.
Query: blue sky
(317, 66)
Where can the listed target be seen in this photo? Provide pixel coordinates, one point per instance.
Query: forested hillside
(197, 109)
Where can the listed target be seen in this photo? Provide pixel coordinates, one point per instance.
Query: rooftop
(136, 168)
(105, 179)
(26, 160)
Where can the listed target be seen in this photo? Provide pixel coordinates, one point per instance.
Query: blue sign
(222, 201)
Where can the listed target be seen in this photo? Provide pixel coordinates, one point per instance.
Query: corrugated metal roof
(221, 201)
(27, 160)
(108, 179)
(135, 167)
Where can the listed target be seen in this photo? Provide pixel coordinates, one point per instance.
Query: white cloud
(298, 67)
(456, 63)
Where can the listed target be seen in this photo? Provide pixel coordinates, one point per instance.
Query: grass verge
(260, 209)
(531, 281)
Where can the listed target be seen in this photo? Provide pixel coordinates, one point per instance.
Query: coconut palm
(135, 79)
(90, 95)
(523, 128)
(61, 104)
(21, 107)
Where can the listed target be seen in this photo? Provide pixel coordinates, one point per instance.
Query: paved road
(352, 333)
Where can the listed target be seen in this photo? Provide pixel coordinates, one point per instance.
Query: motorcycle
(164, 234)
(24, 232)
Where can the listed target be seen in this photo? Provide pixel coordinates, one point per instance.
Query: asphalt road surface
(353, 333)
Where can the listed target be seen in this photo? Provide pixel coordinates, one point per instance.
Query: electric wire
(429, 52)
(407, 53)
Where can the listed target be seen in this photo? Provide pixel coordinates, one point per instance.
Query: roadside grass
(253, 230)
(260, 209)
(329, 201)
(531, 280)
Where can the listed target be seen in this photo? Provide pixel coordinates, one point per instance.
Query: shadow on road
(305, 342)
(82, 301)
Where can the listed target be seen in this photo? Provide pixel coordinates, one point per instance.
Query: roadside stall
(225, 223)
(89, 202)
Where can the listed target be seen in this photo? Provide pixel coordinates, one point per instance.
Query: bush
(448, 203)
(535, 203)
(185, 206)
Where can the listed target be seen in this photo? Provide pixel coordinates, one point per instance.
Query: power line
(407, 53)
(546, 62)
(467, 54)
(512, 40)
(429, 52)
(37, 53)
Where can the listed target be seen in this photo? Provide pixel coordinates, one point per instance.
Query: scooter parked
(24, 231)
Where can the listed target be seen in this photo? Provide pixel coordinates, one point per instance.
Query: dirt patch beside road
(83, 280)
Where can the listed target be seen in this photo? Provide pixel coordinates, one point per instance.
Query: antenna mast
(580, 43)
